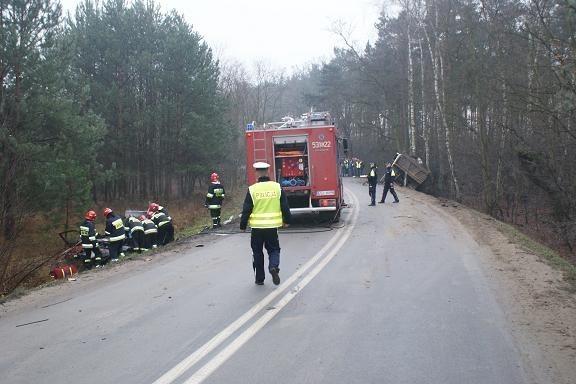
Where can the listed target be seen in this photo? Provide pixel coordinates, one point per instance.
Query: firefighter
(265, 209)
(89, 243)
(163, 221)
(116, 234)
(214, 199)
(150, 233)
(372, 182)
(389, 178)
(135, 231)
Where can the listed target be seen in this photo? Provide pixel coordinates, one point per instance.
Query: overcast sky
(284, 34)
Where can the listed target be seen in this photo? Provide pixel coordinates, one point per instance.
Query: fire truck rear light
(327, 202)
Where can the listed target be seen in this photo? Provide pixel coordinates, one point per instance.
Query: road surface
(393, 294)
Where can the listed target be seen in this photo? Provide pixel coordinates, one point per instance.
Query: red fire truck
(303, 154)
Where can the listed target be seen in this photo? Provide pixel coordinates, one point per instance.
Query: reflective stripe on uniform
(209, 195)
(266, 220)
(214, 206)
(87, 246)
(117, 238)
(138, 228)
(149, 231)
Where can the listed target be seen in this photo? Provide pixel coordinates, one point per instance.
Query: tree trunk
(437, 70)
(425, 129)
(412, 123)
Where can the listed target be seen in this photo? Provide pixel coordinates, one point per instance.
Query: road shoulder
(536, 300)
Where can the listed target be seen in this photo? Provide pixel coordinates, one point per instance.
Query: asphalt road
(394, 294)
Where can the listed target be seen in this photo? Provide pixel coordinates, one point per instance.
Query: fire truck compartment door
(291, 139)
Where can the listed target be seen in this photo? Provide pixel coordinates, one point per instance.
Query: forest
(120, 101)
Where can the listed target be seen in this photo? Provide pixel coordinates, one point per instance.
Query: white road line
(213, 343)
(245, 336)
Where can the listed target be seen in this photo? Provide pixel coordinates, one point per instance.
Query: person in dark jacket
(214, 199)
(116, 234)
(389, 178)
(92, 253)
(150, 233)
(163, 221)
(372, 182)
(265, 209)
(135, 231)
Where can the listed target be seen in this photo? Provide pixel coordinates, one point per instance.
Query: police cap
(261, 165)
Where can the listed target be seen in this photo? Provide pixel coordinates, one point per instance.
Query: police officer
(389, 178)
(89, 243)
(150, 233)
(265, 209)
(372, 181)
(163, 221)
(116, 234)
(214, 199)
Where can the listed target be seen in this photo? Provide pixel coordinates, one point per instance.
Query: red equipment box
(292, 167)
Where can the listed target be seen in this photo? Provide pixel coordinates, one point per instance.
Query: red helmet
(90, 215)
(214, 177)
(142, 217)
(153, 207)
(107, 211)
(149, 214)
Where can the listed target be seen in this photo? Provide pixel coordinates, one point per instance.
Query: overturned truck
(413, 168)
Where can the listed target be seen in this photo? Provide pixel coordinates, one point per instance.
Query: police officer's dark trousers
(372, 193)
(389, 187)
(267, 238)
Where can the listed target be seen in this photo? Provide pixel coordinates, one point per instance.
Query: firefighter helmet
(214, 177)
(153, 207)
(107, 211)
(142, 217)
(90, 215)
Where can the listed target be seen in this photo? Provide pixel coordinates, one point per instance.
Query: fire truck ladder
(260, 147)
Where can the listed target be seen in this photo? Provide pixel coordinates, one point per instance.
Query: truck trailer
(303, 155)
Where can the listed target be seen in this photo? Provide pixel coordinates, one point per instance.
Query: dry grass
(549, 255)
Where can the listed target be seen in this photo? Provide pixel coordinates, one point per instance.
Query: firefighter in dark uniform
(265, 209)
(89, 242)
(389, 177)
(116, 234)
(163, 221)
(135, 231)
(214, 199)
(372, 182)
(150, 233)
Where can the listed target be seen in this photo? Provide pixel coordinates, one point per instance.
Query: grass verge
(548, 255)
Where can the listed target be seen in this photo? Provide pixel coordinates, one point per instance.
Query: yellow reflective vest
(266, 199)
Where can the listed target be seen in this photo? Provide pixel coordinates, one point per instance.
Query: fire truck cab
(303, 155)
